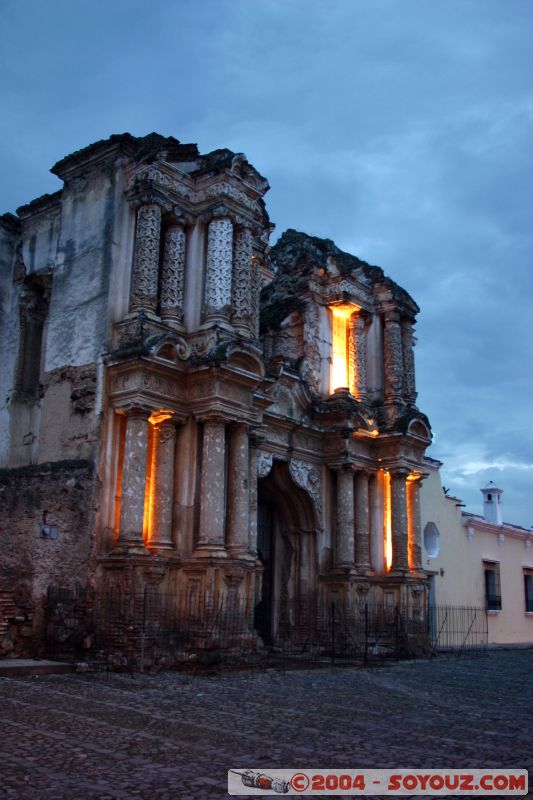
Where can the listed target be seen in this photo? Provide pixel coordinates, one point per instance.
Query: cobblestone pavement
(97, 737)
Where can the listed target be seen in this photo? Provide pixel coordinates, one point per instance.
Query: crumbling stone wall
(58, 495)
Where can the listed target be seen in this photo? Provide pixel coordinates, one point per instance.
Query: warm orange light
(387, 498)
(156, 418)
(149, 486)
(120, 470)
(339, 376)
(411, 521)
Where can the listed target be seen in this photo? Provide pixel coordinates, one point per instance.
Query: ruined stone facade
(183, 407)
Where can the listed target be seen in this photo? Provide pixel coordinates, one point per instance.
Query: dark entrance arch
(286, 544)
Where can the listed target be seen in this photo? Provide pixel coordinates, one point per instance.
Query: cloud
(400, 130)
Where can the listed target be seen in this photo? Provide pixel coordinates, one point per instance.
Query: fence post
(332, 633)
(143, 631)
(365, 659)
(397, 631)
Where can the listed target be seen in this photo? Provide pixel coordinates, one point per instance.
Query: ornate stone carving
(146, 258)
(255, 296)
(344, 540)
(408, 361)
(264, 463)
(242, 281)
(307, 477)
(335, 290)
(219, 260)
(311, 363)
(183, 349)
(172, 273)
(399, 519)
(166, 432)
(393, 354)
(220, 189)
(357, 355)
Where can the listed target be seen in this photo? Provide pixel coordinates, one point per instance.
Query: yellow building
(478, 561)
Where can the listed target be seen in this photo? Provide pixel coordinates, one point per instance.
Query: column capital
(239, 424)
(400, 472)
(178, 218)
(257, 436)
(217, 212)
(417, 477)
(359, 471)
(147, 194)
(134, 409)
(212, 418)
(346, 467)
(391, 313)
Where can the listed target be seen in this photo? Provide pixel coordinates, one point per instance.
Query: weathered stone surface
(144, 296)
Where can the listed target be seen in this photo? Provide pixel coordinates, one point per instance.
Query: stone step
(17, 667)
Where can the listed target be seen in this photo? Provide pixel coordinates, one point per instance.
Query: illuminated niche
(387, 518)
(156, 418)
(342, 366)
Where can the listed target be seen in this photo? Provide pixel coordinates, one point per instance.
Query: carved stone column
(362, 522)
(173, 274)
(415, 525)
(377, 545)
(242, 282)
(392, 344)
(164, 443)
(409, 388)
(218, 268)
(344, 550)
(358, 357)
(400, 560)
(145, 277)
(256, 296)
(238, 524)
(134, 478)
(213, 489)
(252, 495)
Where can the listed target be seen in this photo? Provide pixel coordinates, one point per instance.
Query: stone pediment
(290, 398)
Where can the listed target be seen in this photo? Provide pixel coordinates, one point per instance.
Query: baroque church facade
(188, 409)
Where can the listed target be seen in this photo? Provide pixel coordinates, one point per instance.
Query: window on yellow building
(528, 587)
(493, 598)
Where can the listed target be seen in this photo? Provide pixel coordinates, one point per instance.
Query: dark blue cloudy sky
(402, 129)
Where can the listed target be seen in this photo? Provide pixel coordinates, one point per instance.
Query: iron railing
(152, 630)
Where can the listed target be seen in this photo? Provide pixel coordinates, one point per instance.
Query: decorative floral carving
(242, 279)
(146, 258)
(255, 296)
(222, 188)
(408, 361)
(311, 363)
(393, 354)
(308, 478)
(264, 463)
(172, 273)
(166, 431)
(357, 355)
(202, 343)
(183, 349)
(219, 258)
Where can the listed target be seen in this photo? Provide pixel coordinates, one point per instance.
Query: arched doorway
(286, 545)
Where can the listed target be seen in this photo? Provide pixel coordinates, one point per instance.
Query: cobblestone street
(83, 737)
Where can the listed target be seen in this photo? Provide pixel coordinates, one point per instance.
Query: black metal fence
(150, 630)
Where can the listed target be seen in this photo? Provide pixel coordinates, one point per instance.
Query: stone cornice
(480, 524)
(96, 155)
(179, 186)
(10, 224)
(41, 205)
